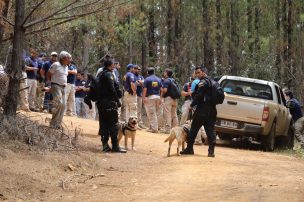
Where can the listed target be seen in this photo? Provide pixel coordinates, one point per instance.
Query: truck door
(282, 117)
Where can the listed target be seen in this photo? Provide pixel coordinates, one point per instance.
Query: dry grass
(38, 134)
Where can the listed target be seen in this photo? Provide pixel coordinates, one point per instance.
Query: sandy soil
(236, 174)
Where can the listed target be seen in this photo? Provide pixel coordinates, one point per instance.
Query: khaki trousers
(299, 129)
(170, 113)
(185, 111)
(153, 109)
(23, 94)
(32, 84)
(70, 99)
(39, 96)
(58, 104)
(139, 109)
(131, 105)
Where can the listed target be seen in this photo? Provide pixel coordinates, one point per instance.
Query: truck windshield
(247, 89)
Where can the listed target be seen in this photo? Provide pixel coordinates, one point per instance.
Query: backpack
(217, 92)
(174, 91)
(93, 93)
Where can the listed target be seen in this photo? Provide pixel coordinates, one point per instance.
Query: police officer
(151, 99)
(107, 104)
(130, 96)
(204, 115)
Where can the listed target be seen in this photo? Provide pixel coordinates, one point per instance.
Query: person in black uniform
(204, 115)
(107, 104)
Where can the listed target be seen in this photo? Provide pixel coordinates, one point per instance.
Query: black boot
(187, 151)
(106, 147)
(211, 151)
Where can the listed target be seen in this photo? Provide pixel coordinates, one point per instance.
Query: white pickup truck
(254, 108)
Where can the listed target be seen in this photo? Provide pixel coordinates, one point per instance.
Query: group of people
(55, 85)
(36, 86)
(157, 96)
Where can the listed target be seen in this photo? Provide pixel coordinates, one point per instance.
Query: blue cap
(129, 66)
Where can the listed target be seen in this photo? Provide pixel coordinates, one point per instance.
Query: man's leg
(174, 113)
(209, 128)
(151, 113)
(168, 113)
(299, 131)
(58, 105)
(185, 111)
(103, 128)
(32, 83)
(39, 96)
(195, 126)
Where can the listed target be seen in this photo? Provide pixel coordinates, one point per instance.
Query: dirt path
(147, 174)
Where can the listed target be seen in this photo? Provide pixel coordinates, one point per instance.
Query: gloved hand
(88, 101)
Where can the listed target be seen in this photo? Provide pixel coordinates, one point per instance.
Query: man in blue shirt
(70, 90)
(170, 104)
(43, 72)
(80, 93)
(297, 116)
(130, 97)
(151, 99)
(186, 93)
(40, 83)
(139, 88)
(31, 68)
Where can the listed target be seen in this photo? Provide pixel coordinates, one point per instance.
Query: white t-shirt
(59, 73)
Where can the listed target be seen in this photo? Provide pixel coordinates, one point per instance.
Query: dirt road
(147, 174)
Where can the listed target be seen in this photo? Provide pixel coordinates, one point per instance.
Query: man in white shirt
(57, 74)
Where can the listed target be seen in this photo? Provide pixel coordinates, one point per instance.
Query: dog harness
(127, 127)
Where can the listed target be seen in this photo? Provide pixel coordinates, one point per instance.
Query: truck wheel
(268, 142)
(224, 136)
(287, 141)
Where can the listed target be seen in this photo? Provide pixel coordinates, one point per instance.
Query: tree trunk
(143, 45)
(151, 36)
(278, 41)
(219, 38)
(14, 71)
(249, 27)
(208, 53)
(285, 42)
(257, 31)
(4, 13)
(234, 38)
(170, 32)
(290, 47)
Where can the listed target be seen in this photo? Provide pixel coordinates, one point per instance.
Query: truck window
(282, 96)
(247, 89)
(279, 95)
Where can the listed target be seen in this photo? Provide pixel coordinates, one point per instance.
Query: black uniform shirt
(203, 88)
(108, 88)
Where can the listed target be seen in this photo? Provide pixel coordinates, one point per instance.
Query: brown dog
(128, 130)
(180, 134)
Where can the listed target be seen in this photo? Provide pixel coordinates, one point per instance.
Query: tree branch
(32, 11)
(6, 20)
(49, 16)
(71, 18)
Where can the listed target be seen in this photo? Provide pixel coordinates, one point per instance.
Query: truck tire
(268, 142)
(224, 136)
(286, 142)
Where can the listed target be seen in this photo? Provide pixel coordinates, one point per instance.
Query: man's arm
(133, 87)
(49, 76)
(74, 71)
(109, 80)
(199, 96)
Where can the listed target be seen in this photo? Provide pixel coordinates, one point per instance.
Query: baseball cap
(54, 53)
(129, 66)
